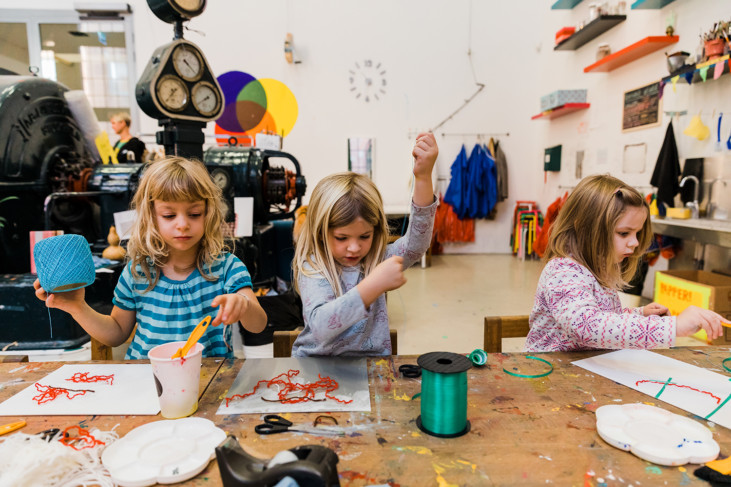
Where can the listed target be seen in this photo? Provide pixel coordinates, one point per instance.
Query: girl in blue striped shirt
(179, 269)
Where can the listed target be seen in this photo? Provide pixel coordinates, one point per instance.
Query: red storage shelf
(631, 53)
(561, 111)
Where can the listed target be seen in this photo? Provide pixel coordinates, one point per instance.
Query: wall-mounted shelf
(651, 4)
(631, 53)
(590, 31)
(560, 111)
(565, 4)
(696, 70)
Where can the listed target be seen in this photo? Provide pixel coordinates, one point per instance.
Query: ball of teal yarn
(64, 263)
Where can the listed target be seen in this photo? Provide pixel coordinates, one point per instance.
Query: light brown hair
(175, 179)
(337, 201)
(584, 229)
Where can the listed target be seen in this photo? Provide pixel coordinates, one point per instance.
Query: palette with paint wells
(656, 435)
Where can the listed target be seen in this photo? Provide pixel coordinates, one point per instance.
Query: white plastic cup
(177, 380)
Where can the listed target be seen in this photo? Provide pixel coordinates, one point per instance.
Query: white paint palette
(656, 435)
(163, 452)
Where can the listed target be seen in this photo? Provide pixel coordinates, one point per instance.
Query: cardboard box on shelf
(678, 289)
(561, 97)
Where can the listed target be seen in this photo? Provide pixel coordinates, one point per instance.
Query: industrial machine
(50, 180)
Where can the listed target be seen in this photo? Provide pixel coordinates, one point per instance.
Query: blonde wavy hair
(584, 229)
(337, 201)
(175, 179)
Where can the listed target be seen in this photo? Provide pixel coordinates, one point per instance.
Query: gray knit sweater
(344, 326)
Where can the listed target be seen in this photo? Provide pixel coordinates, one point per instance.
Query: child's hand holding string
(387, 276)
(425, 154)
(68, 301)
(693, 318)
(231, 308)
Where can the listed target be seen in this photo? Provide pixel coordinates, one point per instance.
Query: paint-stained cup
(177, 379)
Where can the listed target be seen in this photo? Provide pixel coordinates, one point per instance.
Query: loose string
(286, 387)
(531, 376)
(478, 357)
(443, 402)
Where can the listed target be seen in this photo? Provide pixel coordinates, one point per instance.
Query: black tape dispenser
(316, 466)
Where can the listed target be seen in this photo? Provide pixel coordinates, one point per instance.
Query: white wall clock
(367, 80)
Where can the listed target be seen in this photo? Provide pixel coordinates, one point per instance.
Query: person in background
(594, 247)
(127, 148)
(343, 265)
(179, 269)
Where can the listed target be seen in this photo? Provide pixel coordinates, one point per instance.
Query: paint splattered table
(15, 377)
(523, 431)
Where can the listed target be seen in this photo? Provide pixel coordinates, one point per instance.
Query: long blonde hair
(337, 201)
(175, 179)
(584, 229)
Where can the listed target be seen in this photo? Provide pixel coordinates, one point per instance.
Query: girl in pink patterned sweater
(593, 250)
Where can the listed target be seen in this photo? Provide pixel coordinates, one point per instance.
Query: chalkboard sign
(641, 108)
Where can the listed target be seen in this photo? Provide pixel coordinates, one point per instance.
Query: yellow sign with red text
(677, 294)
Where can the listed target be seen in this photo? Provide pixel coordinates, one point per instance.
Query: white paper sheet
(696, 390)
(351, 374)
(244, 211)
(132, 392)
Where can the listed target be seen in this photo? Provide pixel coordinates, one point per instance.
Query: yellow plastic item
(653, 208)
(720, 466)
(195, 335)
(11, 427)
(696, 128)
(678, 213)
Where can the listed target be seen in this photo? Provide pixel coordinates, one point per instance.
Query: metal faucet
(712, 207)
(693, 205)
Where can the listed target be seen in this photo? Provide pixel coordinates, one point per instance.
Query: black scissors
(274, 424)
(409, 370)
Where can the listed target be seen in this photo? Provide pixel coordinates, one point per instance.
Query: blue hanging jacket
(456, 192)
(475, 182)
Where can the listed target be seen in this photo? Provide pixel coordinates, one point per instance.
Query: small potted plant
(715, 39)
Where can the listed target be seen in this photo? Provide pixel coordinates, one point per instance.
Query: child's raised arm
(425, 154)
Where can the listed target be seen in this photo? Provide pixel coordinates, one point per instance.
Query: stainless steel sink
(715, 232)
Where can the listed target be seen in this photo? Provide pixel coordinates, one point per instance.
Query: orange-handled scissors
(7, 428)
(195, 335)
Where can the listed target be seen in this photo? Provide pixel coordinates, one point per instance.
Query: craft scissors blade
(274, 424)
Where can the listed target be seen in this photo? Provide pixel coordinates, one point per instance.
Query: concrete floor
(442, 307)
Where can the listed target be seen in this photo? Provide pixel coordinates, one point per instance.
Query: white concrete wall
(424, 46)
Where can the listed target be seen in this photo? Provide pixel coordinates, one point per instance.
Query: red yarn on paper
(287, 387)
(84, 377)
(49, 393)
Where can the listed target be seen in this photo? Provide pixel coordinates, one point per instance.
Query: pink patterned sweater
(572, 311)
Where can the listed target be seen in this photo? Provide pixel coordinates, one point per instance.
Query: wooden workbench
(523, 431)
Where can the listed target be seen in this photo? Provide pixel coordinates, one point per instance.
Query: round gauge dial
(220, 178)
(172, 93)
(206, 98)
(187, 62)
(172, 11)
(189, 5)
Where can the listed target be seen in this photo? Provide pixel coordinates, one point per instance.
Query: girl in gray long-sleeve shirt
(343, 265)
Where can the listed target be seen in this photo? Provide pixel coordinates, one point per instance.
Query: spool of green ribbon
(443, 394)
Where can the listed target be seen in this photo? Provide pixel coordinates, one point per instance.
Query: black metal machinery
(42, 151)
(50, 180)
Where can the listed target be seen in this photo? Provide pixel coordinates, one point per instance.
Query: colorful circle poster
(253, 106)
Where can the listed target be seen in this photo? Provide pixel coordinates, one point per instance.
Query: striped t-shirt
(171, 310)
